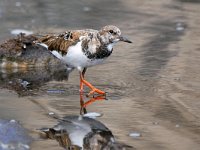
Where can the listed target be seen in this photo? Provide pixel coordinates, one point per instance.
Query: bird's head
(111, 34)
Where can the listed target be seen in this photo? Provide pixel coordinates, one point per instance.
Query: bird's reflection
(79, 132)
(89, 101)
(83, 131)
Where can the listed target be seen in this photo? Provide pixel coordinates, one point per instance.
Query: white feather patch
(110, 46)
(57, 54)
(44, 45)
(76, 58)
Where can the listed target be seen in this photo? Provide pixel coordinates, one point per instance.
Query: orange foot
(93, 89)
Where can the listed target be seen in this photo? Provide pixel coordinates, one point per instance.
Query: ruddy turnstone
(83, 48)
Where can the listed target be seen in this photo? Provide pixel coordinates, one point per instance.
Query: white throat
(110, 46)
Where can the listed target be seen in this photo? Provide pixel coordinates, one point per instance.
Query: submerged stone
(13, 136)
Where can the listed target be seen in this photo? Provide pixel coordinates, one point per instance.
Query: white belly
(76, 58)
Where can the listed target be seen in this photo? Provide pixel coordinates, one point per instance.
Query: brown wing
(61, 42)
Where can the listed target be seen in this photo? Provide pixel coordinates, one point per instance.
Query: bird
(81, 49)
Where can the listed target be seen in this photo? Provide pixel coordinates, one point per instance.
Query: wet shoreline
(153, 84)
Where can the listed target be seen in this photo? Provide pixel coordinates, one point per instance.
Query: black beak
(124, 39)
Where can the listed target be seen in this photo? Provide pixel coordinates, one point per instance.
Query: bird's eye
(111, 31)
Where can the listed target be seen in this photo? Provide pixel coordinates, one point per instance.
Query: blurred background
(153, 84)
(44, 15)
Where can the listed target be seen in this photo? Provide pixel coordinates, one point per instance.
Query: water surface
(153, 84)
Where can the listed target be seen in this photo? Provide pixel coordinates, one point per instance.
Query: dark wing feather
(61, 42)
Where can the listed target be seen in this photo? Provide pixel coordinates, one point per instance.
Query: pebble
(10, 82)
(179, 27)
(135, 134)
(25, 84)
(51, 113)
(18, 4)
(92, 115)
(18, 31)
(155, 123)
(12, 121)
(86, 9)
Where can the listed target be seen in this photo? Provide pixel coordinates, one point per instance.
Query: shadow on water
(156, 53)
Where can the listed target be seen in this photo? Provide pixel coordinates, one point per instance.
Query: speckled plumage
(89, 47)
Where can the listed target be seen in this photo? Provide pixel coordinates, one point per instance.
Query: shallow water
(152, 84)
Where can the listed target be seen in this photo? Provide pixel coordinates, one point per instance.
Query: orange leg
(83, 109)
(93, 89)
(90, 101)
(98, 98)
(81, 87)
(81, 83)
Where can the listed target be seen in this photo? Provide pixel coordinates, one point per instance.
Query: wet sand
(153, 84)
